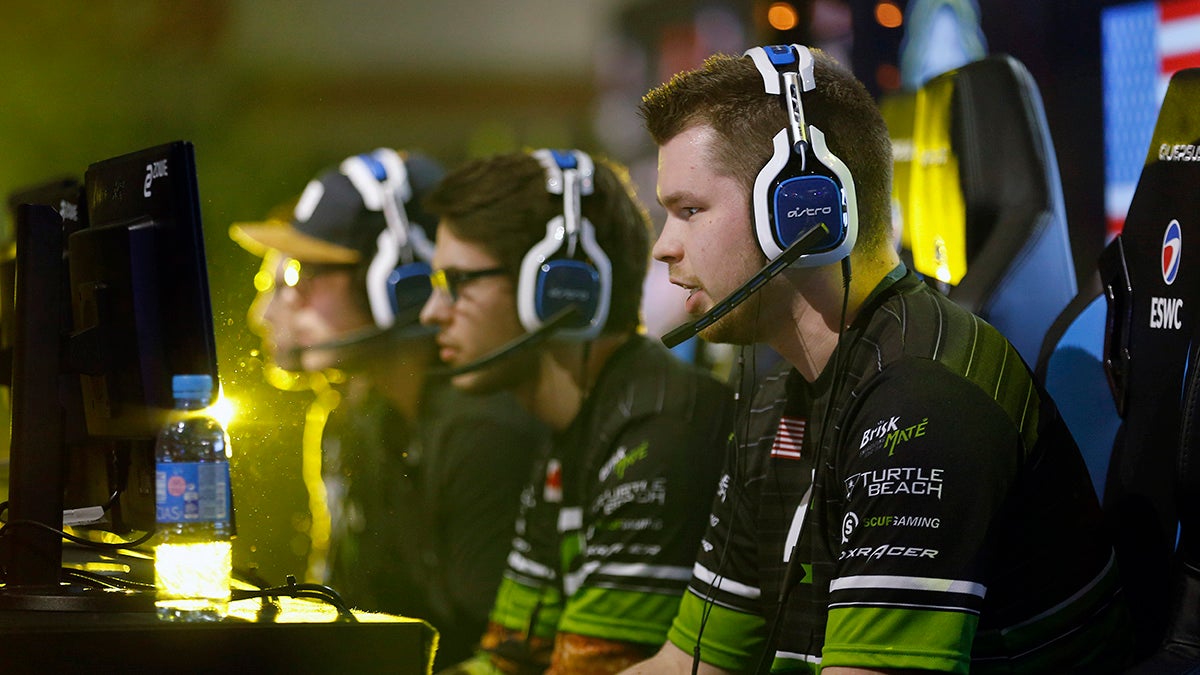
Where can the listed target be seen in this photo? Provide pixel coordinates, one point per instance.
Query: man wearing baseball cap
(420, 482)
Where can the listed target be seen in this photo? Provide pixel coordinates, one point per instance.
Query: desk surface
(303, 638)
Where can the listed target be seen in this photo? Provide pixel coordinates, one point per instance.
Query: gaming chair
(1179, 650)
(1151, 347)
(984, 212)
(899, 111)
(1071, 368)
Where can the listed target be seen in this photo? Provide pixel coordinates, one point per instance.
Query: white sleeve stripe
(807, 658)
(703, 574)
(645, 571)
(908, 584)
(632, 571)
(526, 566)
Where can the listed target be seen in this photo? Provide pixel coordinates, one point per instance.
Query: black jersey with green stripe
(951, 524)
(610, 523)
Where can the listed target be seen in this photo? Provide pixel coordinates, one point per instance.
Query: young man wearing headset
(538, 278)
(420, 482)
(902, 496)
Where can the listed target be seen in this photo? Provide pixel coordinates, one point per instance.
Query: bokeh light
(889, 15)
(782, 16)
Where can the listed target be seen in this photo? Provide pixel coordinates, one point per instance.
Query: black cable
(585, 376)
(794, 572)
(297, 590)
(82, 541)
(709, 597)
(106, 581)
(533, 618)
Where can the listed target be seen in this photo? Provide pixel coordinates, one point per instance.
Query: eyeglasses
(450, 281)
(292, 273)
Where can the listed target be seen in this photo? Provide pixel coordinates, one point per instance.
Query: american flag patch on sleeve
(789, 438)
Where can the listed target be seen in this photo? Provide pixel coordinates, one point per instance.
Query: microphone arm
(525, 341)
(803, 245)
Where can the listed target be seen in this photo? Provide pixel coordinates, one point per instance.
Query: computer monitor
(90, 394)
(65, 195)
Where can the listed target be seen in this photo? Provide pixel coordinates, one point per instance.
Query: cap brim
(258, 238)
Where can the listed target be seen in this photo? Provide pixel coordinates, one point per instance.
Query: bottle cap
(192, 387)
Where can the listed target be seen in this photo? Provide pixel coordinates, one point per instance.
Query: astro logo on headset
(567, 268)
(803, 185)
(804, 203)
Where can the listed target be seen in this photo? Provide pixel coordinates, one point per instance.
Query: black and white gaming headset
(567, 268)
(803, 184)
(397, 277)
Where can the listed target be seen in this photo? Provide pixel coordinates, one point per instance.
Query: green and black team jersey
(612, 518)
(952, 524)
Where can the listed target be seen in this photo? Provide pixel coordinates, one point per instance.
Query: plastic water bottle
(193, 559)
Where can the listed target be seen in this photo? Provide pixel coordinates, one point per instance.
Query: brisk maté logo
(1172, 249)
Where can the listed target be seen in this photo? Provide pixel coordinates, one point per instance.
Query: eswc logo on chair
(1166, 313)
(1172, 248)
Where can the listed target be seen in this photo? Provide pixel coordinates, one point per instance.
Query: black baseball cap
(333, 222)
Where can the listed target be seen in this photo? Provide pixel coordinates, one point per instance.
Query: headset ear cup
(802, 203)
(567, 268)
(565, 283)
(408, 289)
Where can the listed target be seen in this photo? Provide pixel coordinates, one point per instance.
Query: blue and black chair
(984, 211)
(1151, 352)
(1071, 368)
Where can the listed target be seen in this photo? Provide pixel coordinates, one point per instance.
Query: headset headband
(567, 266)
(381, 178)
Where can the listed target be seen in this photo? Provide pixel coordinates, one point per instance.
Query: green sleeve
(728, 639)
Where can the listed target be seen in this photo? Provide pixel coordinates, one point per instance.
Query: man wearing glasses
(419, 483)
(538, 276)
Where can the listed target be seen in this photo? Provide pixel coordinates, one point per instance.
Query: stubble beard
(739, 326)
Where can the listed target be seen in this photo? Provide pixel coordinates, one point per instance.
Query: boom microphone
(556, 321)
(803, 245)
(411, 329)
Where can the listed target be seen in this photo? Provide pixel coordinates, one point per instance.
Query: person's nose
(668, 247)
(436, 310)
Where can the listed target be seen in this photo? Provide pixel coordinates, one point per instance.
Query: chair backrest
(899, 112)
(984, 213)
(1178, 648)
(1071, 368)
(1181, 641)
(1151, 343)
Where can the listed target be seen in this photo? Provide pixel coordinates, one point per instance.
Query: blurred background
(271, 91)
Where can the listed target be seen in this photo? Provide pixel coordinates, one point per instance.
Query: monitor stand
(32, 545)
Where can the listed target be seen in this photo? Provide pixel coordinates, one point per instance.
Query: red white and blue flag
(1144, 43)
(1178, 38)
(789, 438)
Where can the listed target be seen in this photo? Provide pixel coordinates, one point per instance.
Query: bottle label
(192, 492)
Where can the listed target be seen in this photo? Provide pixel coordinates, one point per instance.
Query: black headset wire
(794, 567)
(735, 484)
